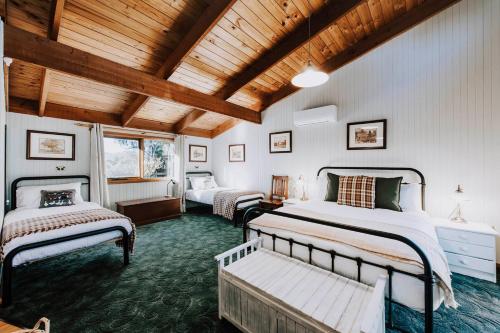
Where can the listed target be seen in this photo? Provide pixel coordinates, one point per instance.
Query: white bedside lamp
(460, 199)
(302, 182)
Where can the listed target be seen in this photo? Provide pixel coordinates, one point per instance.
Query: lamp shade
(309, 78)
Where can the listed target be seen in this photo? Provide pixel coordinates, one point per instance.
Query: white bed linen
(406, 290)
(60, 248)
(207, 196)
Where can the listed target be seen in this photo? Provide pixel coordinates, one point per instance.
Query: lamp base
(459, 219)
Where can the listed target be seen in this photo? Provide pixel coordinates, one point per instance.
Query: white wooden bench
(264, 291)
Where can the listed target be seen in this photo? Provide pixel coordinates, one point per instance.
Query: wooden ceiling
(187, 66)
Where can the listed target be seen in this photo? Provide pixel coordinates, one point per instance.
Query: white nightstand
(293, 201)
(469, 247)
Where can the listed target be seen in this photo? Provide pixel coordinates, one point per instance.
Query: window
(130, 159)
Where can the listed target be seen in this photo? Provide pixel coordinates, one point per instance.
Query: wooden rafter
(24, 106)
(208, 19)
(385, 33)
(323, 19)
(31, 48)
(56, 11)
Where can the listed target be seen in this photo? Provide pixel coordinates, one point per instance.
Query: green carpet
(171, 286)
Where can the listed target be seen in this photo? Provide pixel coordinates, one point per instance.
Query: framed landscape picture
(280, 142)
(367, 135)
(42, 145)
(197, 153)
(237, 153)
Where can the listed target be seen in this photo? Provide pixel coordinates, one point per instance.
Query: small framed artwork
(367, 135)
(42, 145)
(237, 153)
(280, 142)
(197, 153)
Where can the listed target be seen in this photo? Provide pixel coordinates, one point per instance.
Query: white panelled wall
(438, 86)
(19, 166)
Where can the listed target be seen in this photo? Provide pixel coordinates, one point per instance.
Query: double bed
(30, 233)
(362, 243)
(225, 201)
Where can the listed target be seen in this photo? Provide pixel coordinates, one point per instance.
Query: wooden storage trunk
(144, 211)
(264, 291)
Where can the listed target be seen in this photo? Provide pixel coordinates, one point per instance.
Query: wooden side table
(270, 204)
(144, 211)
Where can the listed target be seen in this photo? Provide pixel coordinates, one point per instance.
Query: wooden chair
(279, 192)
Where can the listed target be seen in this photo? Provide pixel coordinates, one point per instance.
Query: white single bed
(28, 256)
(65, 223)
(207, 196)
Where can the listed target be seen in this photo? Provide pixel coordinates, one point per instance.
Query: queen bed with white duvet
(338, 229)
(31, 233)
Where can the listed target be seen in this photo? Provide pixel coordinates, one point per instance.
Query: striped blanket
(41, 224)
(225, 201)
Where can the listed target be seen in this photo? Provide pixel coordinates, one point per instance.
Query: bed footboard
(7, 265)
(427, 276)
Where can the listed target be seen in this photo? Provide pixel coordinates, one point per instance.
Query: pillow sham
(410, 199)
(357, 191)
(332, 188)
(203, 183)
(30, 196)
(387, 193)
(57, 198)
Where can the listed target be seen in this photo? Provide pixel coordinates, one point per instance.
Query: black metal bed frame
(7, 265)
(235, 215)
(427, 277)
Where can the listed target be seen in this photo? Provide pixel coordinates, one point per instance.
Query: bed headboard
(44, 180)
(195, 174)
(415, 172)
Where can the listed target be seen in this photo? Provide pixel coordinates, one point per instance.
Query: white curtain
(98, 181)
(179, 168)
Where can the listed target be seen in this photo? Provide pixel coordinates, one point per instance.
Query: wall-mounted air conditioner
(324, 114)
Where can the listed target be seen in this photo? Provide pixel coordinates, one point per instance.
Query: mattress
(60, 248)
(207, 196)
(406, 289)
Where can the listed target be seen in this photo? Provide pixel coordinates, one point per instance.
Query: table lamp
(170, 181)
(460, 199)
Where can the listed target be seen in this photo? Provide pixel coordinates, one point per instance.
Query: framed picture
(50, 146)
(236, 153)
(367, 135)
(197, 153)
(280, 142)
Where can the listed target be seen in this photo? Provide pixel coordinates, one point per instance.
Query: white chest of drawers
(469, 247)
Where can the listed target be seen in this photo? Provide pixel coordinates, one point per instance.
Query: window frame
(141, 178)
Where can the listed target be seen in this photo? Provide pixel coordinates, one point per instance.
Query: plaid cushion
(357, 191)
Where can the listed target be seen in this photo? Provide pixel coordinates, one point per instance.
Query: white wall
(201, 166)
(438, 85)
(19, 166)
(2, 126)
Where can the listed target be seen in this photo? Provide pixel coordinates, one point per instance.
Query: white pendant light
(311, 77)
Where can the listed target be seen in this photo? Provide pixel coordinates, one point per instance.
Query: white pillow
(30, 196)
(410, 198)
(203, 183)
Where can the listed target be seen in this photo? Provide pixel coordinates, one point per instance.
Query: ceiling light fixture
(310, 77)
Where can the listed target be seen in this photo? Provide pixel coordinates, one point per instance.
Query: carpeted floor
(171, 286)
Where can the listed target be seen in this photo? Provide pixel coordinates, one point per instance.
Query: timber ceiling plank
(195, 35)
(282, 48)
(383, 34)
(55, 17)
(31, 48)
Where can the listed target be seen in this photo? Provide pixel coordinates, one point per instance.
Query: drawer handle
(463, 248)
(462, 261)
(462, 236)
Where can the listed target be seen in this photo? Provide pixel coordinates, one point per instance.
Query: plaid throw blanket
(225, 202)
(58, 221)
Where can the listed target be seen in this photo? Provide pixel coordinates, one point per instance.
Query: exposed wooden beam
(204, 133)
(25, 106)
(321, 20)
(56, 11)
(31, 48)
(385, 33)
(228, 124)
(188, 119)
(208, 19)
